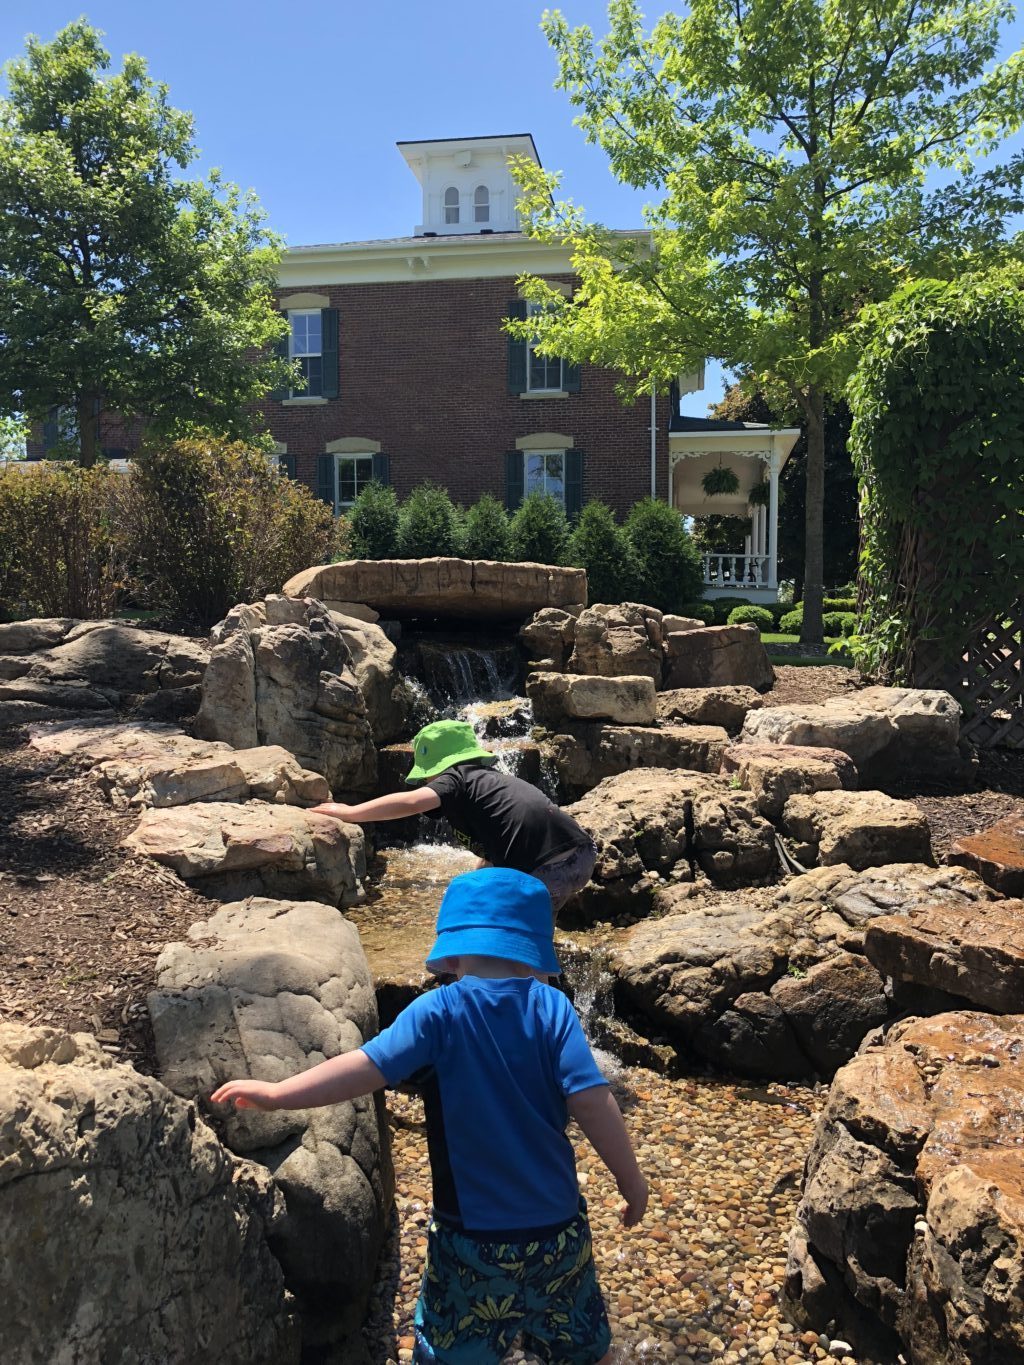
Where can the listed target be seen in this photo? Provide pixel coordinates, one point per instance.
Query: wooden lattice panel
(987, 680)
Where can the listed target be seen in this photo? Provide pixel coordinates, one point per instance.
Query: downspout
(654, 439)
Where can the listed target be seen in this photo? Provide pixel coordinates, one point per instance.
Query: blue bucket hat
(496, 912)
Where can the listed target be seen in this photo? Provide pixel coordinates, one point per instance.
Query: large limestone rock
(910, 1233)
(973, 951)
(717, 656)
(482, 589)
(375, 665)
(889, 732)
(129, 1233)
(547, 637)
(777, 985)
(267, 988)
(772, 773)
(53, 668)
(231, 851)
(997, 854)
(862, 829)
(724, 706)
(619, 641)
(281, 673)
(651, 825)
(583, 753)
(143, 763)
(560, 697)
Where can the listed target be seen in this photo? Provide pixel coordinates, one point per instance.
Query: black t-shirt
(513, 823)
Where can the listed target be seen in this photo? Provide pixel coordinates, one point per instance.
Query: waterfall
(455, 673)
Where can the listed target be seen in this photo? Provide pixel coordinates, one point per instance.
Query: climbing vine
(938, 446)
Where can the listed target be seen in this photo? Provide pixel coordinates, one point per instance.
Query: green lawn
(802, 660)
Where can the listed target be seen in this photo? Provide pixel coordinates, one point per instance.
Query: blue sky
(305, 102)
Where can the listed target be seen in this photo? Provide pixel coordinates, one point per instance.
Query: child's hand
(635, 1207)
(335, 810)
(247, 1094)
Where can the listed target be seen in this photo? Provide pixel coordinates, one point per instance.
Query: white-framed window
(482, 204)
(351, 475)
(544, 472)
(306, 346)
(543, 372)
(451, 205)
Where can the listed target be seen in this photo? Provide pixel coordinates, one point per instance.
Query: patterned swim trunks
(478, 1296)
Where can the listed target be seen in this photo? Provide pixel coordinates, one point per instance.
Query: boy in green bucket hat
(508, 820)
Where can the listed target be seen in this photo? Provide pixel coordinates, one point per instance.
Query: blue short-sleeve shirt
(496, 1060)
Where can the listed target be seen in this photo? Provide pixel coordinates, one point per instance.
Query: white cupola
(466, 183)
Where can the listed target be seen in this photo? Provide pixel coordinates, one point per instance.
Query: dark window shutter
(514, 479)
(573, 483)
(517, 351)
(325, 478)
(114, 453)
(51, 429)
(281, 351)
(288, 465)
(570, 377)
(382, 469)
(329, 349)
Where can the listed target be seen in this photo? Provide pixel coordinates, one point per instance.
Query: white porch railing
(739, 571)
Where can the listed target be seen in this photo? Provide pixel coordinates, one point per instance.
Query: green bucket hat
(443, 743)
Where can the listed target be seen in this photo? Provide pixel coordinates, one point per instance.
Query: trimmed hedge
(791, 622)
(751, 616)
(698, 611)
(601, 547)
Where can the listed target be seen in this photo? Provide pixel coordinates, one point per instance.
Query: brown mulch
(812, 683)
(81, 920)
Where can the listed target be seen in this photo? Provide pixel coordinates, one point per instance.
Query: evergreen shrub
(699, 611)
(539, 530)
(485, 530)
(725, 606)
(600, 546)
(751, 616)
(670, 569)
(373, 523)
(427, 524)
(792, 622)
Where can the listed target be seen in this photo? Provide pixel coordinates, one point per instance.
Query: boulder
(772, 773)
(547, 637)
(724, 706)
(281, 673)
(717, 656)
(231, 851)
(583, 753)
(772, 985)
(862, 829)
(652, 824)
(890, 733)
(909, 1236)
(480, 589)
(997, 854)
(129, 1233)
(267, 988)
(973, 951)
(623, 640)
(560, 697)
(671, 624)
(375, 665)
(143, 763)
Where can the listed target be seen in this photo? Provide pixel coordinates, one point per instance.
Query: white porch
(756, 454)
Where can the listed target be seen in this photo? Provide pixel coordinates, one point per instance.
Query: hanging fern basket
(720, 482)
(760, 494)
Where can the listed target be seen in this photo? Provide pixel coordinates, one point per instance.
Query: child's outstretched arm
(397, 806)
(340, 1078)
(600, 1118)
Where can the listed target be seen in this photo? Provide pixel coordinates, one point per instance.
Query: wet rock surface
(997, 854)
(717, 656)
(910, 1232)
(128, 1232)
(267, 988)
(861, 829)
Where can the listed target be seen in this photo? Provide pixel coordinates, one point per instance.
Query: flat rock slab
(228, 851)
(560, 697)
(862, 829)
(481, 589)
(143, 764)
(910, 1233)
(997, 854)
(973, 951)
(772, 773)
(585, 753)
(724, 706)
(129, 1233)
(717, 656)
(267, 988)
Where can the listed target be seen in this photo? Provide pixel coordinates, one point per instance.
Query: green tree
(427, 524)
(374, 523)
(486, 530)
(601, 547)
(539, 530)
(123, 287)
(669, 566)
(786, 142)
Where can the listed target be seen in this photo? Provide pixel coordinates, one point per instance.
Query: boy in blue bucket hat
(502, 1063)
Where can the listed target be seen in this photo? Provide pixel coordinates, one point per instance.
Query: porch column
(773, 520)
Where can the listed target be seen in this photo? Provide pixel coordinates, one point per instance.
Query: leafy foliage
(938, 444)
(699, 611)
(539, 530)
(600, 546)
(725, 606)
(427, 524)
(839, 623)
(720, 482)
(751, 616)
(791, 621)
(670, 568)
(485, 530)
(373, 523)
(122, 285)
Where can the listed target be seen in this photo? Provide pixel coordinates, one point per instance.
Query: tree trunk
(811, 632)
(88, 411)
